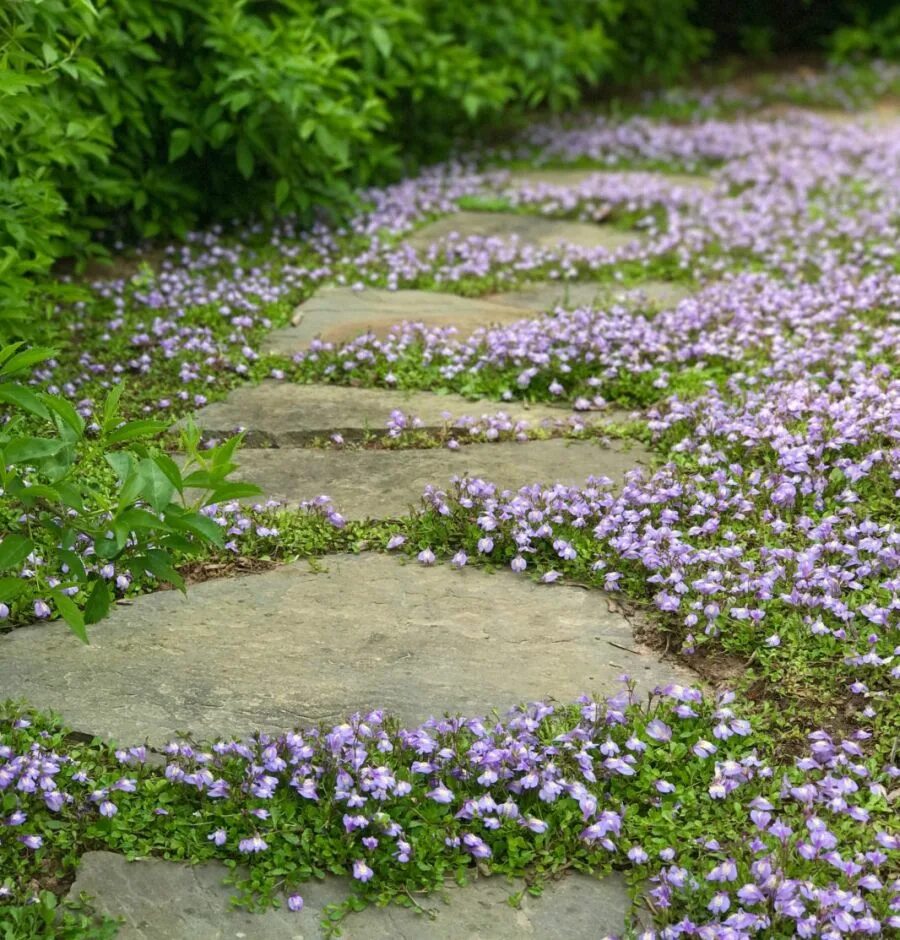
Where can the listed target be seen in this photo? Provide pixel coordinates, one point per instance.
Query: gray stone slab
(285, 413)
(340, 314)
(160, 899)
(386, 484)
(531, 229)
(575, 177)
(547, 295)
(294, 646)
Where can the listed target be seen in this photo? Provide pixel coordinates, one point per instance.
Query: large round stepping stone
(531, 229)
(196, 907)
(548, 295)
(294, 646)
(283, 413)
(387, 484)
(575, 177)
(340, 314)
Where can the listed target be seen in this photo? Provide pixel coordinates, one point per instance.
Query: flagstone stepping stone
(386, 484)
(531, 229)
(340, 314)
(283, 413)
(563, 176)
(196, 907)
(547, 295)
(296, 645)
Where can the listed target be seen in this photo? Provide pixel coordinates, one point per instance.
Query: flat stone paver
(547, 295)
(531, 229)
(284, 413)
(293, 646)
(386, 484)
(563, 176)
(196, 907)
(340, 314)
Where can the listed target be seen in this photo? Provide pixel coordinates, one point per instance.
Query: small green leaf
(179, 143)
(159, 563)
(335, 147)
(122, 462)
(170, 469)
(21, 397)
(111, 407)
(27, 449)
(20, 361)
(11, 588)
(138, 519)
(244, 156)
(69, 611)
(157, 488)
(134, 430)
(200, 525)
(66, 412)
(31, 494)
(97, 606)
(382, 39)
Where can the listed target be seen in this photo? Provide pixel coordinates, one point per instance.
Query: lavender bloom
(252, 844)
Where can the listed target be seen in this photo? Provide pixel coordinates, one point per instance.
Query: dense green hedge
(149, 116)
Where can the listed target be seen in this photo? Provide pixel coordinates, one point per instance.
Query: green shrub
(868, 37)
(76, 500)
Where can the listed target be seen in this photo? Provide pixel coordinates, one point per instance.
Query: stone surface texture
(385, 484)
(547, 295)
(294, 646)
(159, 899)
(530, 229)
(340, 314)
(284, 413)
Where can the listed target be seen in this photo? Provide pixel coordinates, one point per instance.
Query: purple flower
(253, 844)
(440, 794)
(361, 871)
(295, 902)
(658, 730)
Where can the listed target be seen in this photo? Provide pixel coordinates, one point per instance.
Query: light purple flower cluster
(542, 772)
(797, 195)
(805, 867)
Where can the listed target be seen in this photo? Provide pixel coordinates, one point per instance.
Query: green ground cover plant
(765, 537)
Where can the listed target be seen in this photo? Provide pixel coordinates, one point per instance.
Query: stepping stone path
(385, 484)
(530, 229)
(295, 646)
(196, 907)
(282, 413)
(302, 644)
(340, 314)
